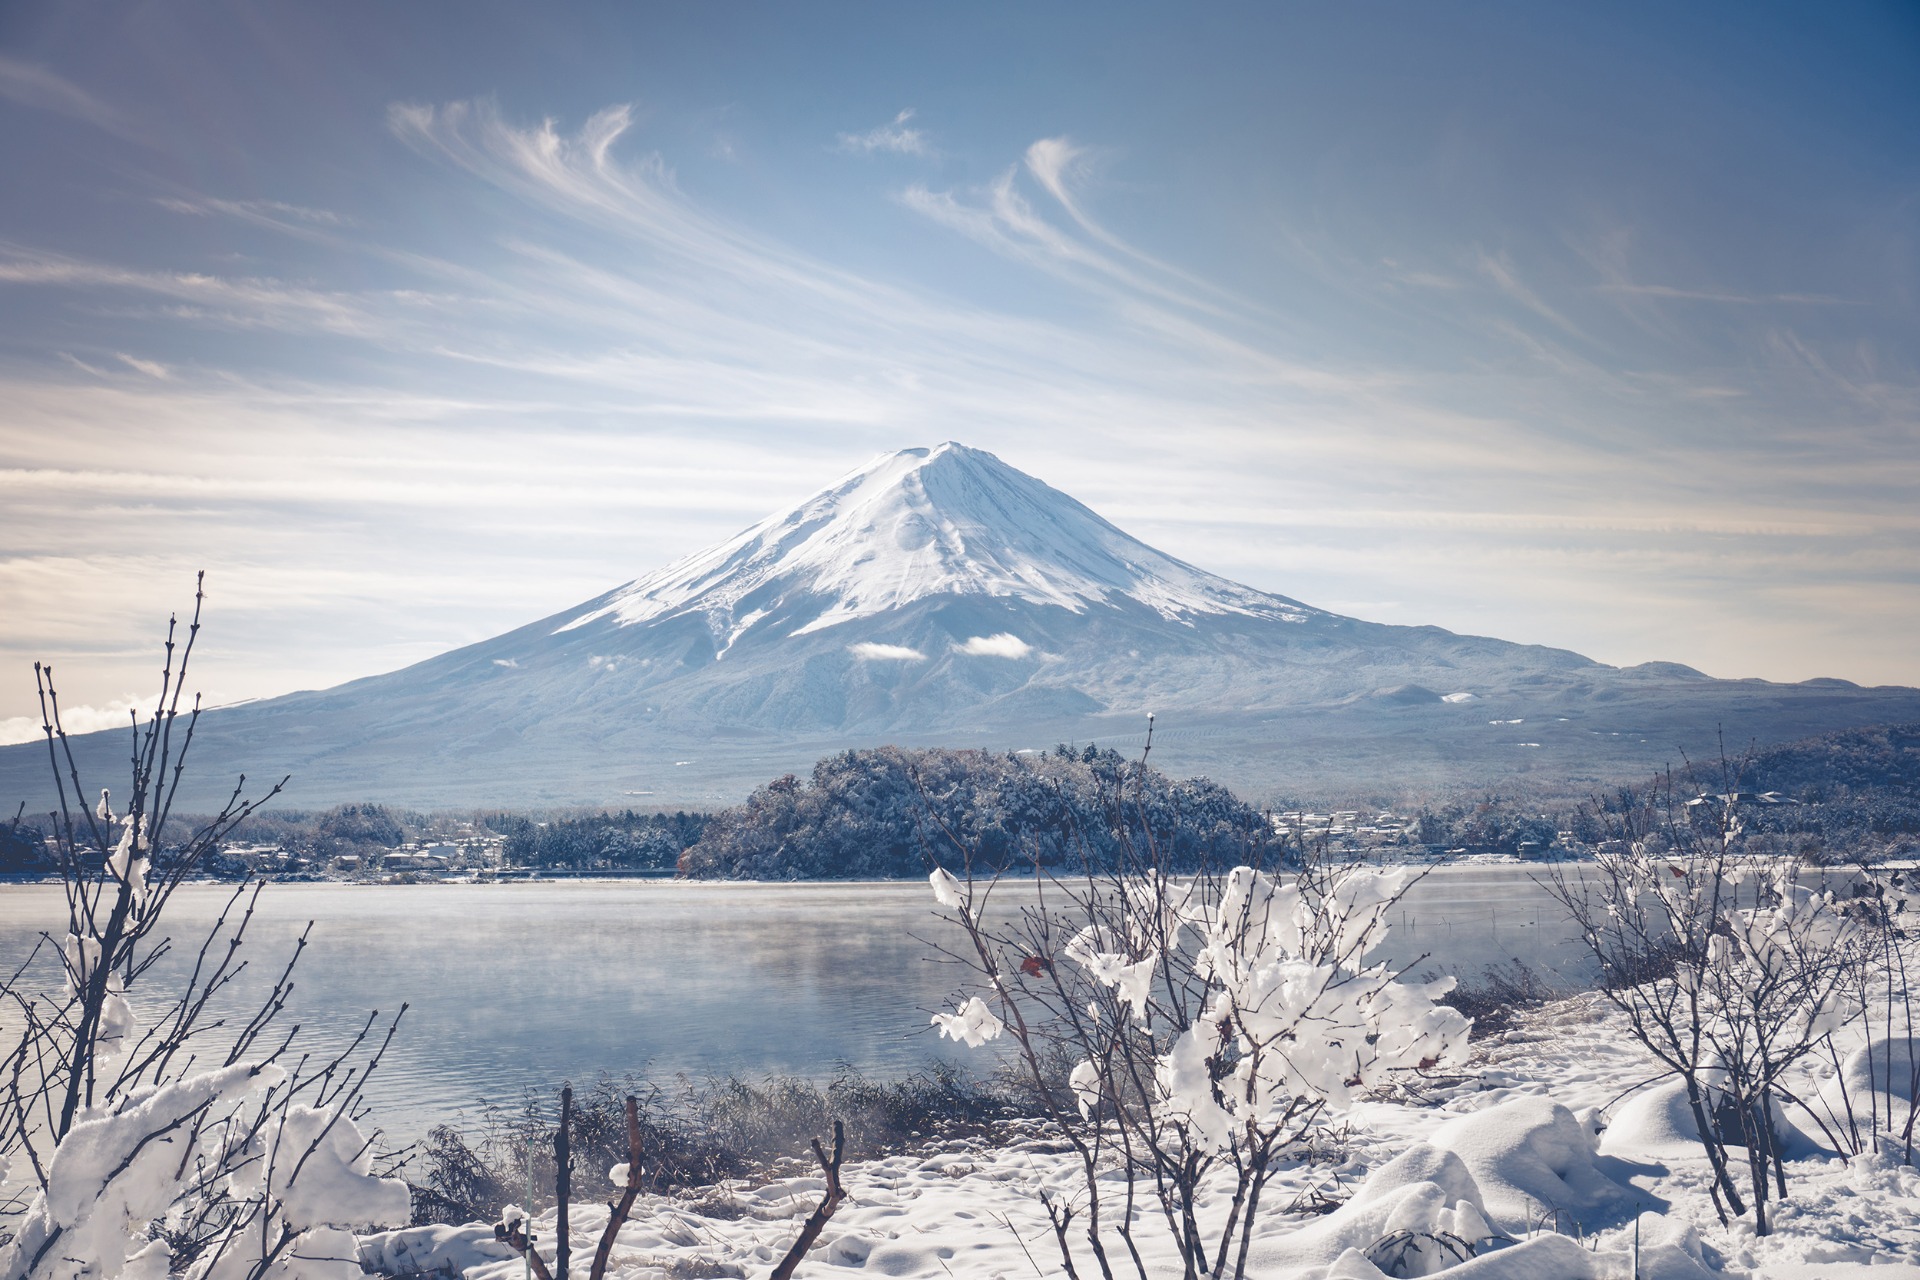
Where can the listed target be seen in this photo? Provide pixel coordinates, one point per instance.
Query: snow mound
(1530, 1157)
(1655, 1123)
(1422, 1190)
(1534, 1259)
(1426, 1214)
(1878, 1079)
(1671, 1249)
(431, 1250)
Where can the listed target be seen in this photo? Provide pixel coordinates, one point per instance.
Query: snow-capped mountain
(949, 521)
(942, 596)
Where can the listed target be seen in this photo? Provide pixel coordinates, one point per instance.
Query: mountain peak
(922, 522)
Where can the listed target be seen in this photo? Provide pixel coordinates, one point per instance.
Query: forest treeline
(887, 812)
(1856, 793)
(622, 840)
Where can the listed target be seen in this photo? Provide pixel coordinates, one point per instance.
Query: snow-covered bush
(1866, 1105)
(177, 1143)
(1731, 972)
(1188, 1027)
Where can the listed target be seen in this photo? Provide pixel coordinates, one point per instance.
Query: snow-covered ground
(1552, 1136)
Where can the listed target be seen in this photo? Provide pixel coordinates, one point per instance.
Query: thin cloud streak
(1737, 299)
(32, 85)
(896, 138)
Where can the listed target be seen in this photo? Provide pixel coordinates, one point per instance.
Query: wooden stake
(562, 1186)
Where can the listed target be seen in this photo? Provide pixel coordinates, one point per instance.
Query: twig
(828, 1203)
(624, 1205)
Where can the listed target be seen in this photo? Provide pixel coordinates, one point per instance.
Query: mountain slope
(939, 596)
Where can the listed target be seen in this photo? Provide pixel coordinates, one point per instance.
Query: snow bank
(430, 1250)
(1878, 1079)
(1530, 1157)
(1422, 1190)
(1655, 1123)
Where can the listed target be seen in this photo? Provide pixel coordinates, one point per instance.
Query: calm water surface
(519, 986)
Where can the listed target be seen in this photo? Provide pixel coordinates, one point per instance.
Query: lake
(516, 986)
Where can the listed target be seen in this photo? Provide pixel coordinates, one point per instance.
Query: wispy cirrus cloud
(1721, 295)
(1000, 217)
(33, 85)
(152, 368)
(235, 301)
(895, 138)
(275, 213)
(1500, 269)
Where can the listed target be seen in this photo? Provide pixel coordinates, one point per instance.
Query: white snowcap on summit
(925, 522)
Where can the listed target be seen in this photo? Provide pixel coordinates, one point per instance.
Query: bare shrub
(1730, 972)
(1869, 1102)
(183, 1140)
(1502, 995)
(697, 1132)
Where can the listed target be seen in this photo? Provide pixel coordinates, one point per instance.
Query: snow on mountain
(926, 522)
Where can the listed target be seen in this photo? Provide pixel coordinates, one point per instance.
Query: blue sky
(1585, 325)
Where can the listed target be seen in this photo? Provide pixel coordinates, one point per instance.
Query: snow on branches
(1213, 1019)
(179, 1143)
(974, 1023)
(1731, 971)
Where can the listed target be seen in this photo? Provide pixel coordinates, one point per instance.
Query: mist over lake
(521, 986)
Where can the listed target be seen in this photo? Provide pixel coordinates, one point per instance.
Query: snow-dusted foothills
(939, 597)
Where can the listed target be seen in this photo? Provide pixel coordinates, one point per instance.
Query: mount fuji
(940, 596)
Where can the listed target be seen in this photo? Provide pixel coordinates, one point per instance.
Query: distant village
(469, 852)
(1383, 835)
